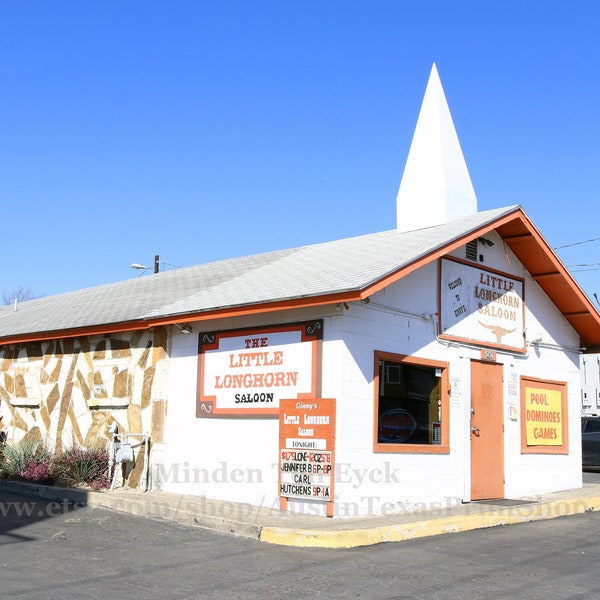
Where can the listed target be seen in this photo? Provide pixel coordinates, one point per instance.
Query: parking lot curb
(198, 512)
(48, 492)
(396, 532)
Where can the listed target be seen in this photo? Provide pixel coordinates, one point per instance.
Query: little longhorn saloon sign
(481, 305)
(247, 372)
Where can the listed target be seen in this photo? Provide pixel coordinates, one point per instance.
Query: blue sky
(207, 130)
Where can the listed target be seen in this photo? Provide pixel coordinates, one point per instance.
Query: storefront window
(410, 405)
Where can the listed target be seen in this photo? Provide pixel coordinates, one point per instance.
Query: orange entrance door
(487, 434)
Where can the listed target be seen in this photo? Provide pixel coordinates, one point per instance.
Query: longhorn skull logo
(498, 331)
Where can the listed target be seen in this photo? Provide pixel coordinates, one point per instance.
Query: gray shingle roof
(308, 271)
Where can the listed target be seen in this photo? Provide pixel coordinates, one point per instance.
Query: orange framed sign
(481, 306)
(307, 450)
(247, 372)
(544, 417)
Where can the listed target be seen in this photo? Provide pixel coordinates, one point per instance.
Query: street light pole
(145, 268)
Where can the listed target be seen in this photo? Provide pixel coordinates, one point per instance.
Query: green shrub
(27, 460)
(81, 466)
(31, 461)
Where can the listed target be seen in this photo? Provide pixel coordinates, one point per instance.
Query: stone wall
(68, 392)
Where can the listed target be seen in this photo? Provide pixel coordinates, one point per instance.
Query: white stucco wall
(236, 459)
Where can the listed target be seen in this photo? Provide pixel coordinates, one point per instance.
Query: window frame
(441, 448)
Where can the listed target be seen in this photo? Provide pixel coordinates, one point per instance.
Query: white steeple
(435, 187)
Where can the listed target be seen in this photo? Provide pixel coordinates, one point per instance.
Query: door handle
(475, 431)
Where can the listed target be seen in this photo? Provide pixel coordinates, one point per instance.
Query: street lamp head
(145, 268)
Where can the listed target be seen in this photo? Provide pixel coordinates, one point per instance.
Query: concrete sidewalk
(270, 525)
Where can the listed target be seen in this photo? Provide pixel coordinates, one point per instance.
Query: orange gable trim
(517, 232)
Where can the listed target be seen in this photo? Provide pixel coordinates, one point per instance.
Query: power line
(577, 243)
(585, 270)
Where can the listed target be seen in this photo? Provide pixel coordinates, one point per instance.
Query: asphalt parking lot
(51, 550)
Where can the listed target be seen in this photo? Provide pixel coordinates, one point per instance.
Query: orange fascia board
(253, 309)
(516, 230)
(547, 270)
(435, 254)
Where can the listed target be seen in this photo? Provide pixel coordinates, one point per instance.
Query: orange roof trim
(517, 232)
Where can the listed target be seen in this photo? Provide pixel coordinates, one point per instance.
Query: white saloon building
(434, 363)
